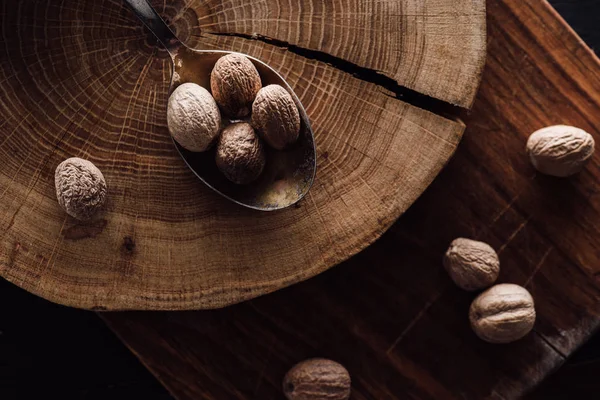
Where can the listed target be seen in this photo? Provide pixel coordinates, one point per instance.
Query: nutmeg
(276, 117)
(317, 379)
(234, 82)
(471, 264)
(560, 150)
(80, 188)
(193, 117)
(503, 313)
(240, 154)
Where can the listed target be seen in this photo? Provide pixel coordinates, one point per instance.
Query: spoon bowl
(288, 174)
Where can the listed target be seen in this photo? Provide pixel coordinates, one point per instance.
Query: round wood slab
(85, 79)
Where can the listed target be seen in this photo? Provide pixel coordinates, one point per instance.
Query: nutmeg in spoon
(193, 117)
(276, 117)
(234, 82)
(287, 176)
(240, 154)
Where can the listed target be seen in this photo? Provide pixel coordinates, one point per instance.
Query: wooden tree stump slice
(85, 79)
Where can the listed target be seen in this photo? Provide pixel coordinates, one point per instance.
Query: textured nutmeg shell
(193, 117)
(80, 188)
(240, 154)
(471, 264)
(560, 150)
(503, 313)
(317, 379)
(234, 82)
(276, 117)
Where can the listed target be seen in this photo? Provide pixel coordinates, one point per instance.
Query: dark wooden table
(71, 354)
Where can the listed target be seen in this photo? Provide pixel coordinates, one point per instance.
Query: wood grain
(391, 314)
(84, 79)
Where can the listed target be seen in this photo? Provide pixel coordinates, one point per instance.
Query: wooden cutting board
(84, 79)
(391, 314)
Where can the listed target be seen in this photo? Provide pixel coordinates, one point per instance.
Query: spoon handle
(148, 15)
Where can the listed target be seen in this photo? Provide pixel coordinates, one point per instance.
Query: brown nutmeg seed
(80, 188)
(317, 379)
(276, 117)
(472, 265)
(234, 82)
(503, 313)
(193, 117)
(240, 154)
(560, 150)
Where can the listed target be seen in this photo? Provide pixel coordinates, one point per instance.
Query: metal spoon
(288, 175)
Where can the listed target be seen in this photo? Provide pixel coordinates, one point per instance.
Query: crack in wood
(369, 75)
(553, 347)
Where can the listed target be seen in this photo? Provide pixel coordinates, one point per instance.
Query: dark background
(48, 351)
